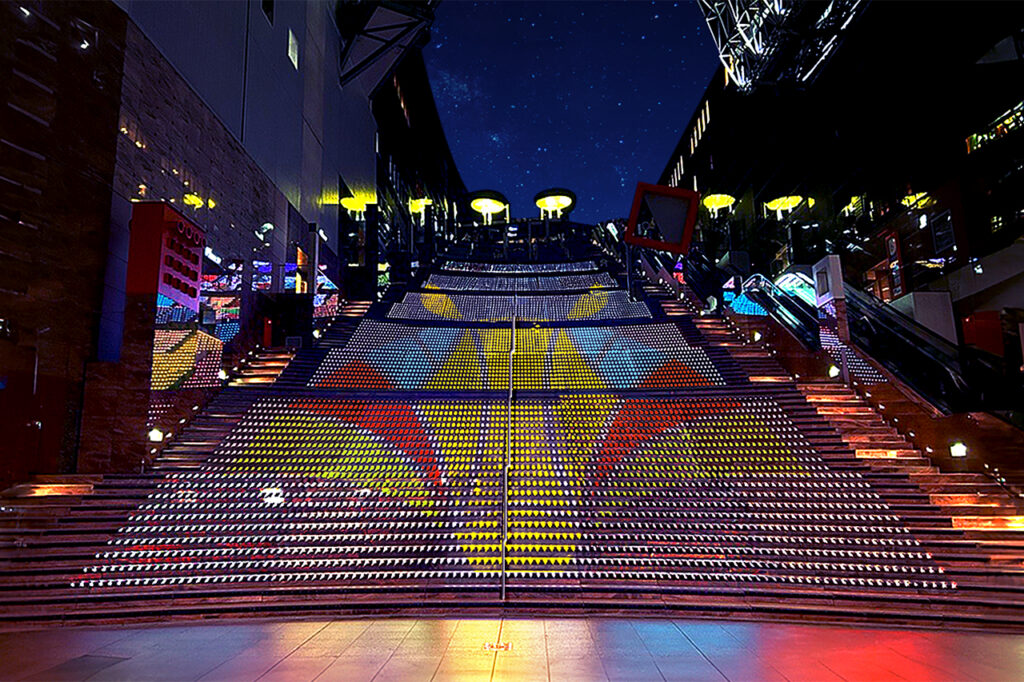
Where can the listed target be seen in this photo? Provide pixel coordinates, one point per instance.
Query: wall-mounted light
(263, 230)
(212, 255)
(357, 203)
(833, 371)
(918, 200)
(418, 206)
(155, 435)
(958, 449)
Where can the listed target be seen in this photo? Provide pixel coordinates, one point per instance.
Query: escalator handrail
(774, 298)
(890, 315)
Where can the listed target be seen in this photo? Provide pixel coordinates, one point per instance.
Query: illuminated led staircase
(302, 366)
(656, 461)
(966, 521)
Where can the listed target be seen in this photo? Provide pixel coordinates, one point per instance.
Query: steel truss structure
(764, 42)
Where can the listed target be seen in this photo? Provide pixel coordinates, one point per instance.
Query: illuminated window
(996, 223)
(293, 49)
(268, 10)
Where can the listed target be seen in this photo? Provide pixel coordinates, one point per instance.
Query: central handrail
(508, 456)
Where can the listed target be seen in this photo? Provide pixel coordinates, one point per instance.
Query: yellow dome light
(487, 206)
(554, 201)
(488, 202)
(787, 203)
(716, 202)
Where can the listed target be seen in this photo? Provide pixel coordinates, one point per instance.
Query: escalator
(953, 378)
(787, 307)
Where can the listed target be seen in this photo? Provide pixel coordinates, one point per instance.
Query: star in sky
(591, 96)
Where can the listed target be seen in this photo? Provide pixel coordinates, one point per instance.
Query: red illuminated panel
(166, 254)
(674, 209)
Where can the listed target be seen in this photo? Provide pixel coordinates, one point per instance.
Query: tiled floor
(562, 649)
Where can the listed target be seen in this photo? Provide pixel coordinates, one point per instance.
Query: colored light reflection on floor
(520, 649)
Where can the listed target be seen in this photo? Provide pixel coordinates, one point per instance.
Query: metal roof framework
(763, 42)
(384, 32)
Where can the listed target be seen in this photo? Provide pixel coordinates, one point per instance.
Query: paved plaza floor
(507, 649)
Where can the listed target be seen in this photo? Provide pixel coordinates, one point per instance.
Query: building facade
(887, 132)
(253, 122)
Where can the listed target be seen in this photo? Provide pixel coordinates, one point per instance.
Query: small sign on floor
(497, 646)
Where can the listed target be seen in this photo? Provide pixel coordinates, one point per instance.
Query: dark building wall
(105, 109)
(206, 41)
(414, 161)
(169, 145)
(238, 63)
(887, 117)
(57, 163)
(93, 129)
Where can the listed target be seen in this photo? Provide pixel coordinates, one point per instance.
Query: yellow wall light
(918, 200)
(419, 205)
(193, 200)
(855, 206)
(358, 202)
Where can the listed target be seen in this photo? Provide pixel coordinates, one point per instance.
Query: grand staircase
(522, 436)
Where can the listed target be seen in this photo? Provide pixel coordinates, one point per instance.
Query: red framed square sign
(674, 211)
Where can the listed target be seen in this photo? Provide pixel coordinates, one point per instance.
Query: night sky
(591, 96)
